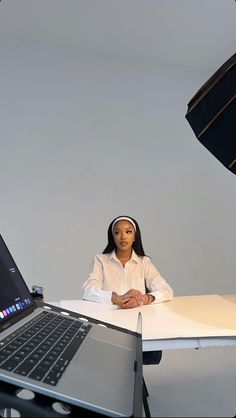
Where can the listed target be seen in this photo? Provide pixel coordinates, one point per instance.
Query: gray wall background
(93, 102)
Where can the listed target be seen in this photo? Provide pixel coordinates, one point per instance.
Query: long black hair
(137, 244)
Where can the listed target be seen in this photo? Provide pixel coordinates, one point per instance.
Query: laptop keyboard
(43, 348)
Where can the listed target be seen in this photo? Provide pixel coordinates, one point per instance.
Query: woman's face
(124, 235)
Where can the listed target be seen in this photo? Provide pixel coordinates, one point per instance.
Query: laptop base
(42, 406)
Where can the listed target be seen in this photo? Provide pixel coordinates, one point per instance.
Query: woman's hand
(134, 293)
(129, 302)
(131, 299)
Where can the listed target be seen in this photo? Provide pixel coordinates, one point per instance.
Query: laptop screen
(15, 297)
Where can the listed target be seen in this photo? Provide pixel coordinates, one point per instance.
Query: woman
(123, 274)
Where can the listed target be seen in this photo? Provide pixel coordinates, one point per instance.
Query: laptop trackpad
(103, 374)
(112, 336)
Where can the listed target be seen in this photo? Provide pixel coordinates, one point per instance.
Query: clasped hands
(131, 299)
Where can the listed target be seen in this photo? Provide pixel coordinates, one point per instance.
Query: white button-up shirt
(107, 275)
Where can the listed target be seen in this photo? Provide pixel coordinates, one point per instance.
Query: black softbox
(212, 114)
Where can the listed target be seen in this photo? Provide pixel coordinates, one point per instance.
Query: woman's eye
(129, 232)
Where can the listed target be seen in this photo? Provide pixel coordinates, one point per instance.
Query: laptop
(63, 356)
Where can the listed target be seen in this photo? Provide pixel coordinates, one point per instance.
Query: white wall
(86, 137)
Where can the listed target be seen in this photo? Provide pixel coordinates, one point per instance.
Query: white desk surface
(184, 322)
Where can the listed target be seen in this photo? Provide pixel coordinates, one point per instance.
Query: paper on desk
(111, 314)
(183, 317)
(191, 316)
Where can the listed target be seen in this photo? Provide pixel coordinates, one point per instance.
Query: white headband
(123, 218)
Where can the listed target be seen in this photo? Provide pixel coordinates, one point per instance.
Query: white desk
(184, 322)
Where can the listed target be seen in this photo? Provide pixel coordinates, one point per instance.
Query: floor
(193, 383)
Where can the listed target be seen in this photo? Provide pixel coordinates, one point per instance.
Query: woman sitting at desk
(123, 274)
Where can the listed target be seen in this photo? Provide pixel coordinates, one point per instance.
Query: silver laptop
(63, 356)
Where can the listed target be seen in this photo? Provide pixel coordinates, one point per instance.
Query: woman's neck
(123, 256)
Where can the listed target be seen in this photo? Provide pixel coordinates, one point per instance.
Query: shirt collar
(134, 257)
